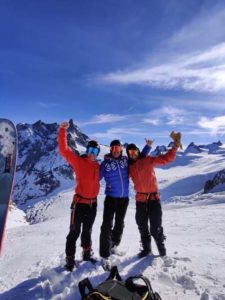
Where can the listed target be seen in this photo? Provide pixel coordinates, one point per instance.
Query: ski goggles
(116, 148)
(93, 150)
(133, 152)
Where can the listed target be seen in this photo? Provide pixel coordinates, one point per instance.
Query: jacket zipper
(120, 179)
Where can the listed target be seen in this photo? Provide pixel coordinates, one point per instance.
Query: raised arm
(165, 158)
(147, 148)
(171, 154)
(64, 149)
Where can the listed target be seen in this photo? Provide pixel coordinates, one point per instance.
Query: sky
(120, 69)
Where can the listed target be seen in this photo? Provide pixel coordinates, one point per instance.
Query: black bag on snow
(116, 289)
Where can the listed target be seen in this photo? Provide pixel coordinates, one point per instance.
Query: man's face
(133, 154)
(116, 151)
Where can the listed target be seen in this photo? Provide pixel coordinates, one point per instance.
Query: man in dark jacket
(84, 202)
(114, 169)
(148, 207)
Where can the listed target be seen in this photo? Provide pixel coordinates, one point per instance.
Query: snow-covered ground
(31, 266)
(33, 255)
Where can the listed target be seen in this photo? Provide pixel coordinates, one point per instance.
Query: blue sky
(120, 69)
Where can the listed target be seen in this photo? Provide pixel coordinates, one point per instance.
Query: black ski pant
(81, 214)
(149, 212)
(111, 234)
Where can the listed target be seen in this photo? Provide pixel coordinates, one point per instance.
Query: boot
(161, 248)
(70, 263)
(144, 252)
(160, 242)
(88, 255)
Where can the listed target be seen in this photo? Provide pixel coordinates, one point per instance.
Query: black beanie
(132, 147)
(115, 143)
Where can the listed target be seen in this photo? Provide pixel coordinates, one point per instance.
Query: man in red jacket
(84, 202)
(148, 207)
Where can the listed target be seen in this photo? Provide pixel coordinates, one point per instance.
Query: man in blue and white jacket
(114, 169)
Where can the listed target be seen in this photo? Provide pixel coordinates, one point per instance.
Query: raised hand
(65, 125)
(176, 137)
(149, 142)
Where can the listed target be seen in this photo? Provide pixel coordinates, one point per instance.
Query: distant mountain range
(210, 148)
(41, 169)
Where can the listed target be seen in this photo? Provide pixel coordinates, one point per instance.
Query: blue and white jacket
(115, 173)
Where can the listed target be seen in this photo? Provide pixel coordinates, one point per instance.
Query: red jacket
(143, 175)
(87, 171)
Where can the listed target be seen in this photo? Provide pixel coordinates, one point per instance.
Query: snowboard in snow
(8, 150)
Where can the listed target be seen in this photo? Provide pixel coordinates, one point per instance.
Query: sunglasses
(133, 152)
(93, 150)
(116, 148)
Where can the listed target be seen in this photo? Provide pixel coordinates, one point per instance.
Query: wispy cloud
(119, 133)
(196, 71)
(203, 30)
(215, 125)
(126, 134)
(166, 115)
(191, 59)
(151, 121)
(104, 118)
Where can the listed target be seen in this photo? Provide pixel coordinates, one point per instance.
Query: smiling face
(116, 151)
(133, 154)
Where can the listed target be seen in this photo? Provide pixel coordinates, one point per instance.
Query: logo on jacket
(113, 165)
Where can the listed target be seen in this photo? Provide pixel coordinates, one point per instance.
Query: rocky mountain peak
(218, 179)
(40, 168)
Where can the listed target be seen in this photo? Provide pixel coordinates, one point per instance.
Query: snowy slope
(16, 217)
(188, 174)
(33, 259)
(33, 254)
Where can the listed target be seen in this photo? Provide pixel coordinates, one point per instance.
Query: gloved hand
(149, 142)
(176, 137)
(65, 125)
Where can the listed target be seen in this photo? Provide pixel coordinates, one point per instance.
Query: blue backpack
(114, 288)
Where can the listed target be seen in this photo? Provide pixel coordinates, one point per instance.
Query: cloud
(203, 31)
(196, 71)
(215, 125)
(119, 133)
(151, 121)
(166, 115)
(104, 118)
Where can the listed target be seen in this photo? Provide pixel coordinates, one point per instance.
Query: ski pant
(111, 235)
(146, 212)
(81, 214)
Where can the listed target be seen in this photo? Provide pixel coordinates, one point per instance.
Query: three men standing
(116, 169)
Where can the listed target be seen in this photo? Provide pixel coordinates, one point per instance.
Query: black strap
(85, 283)
(130, 283)
(114, 274)
(149, 195)
(79, 196)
